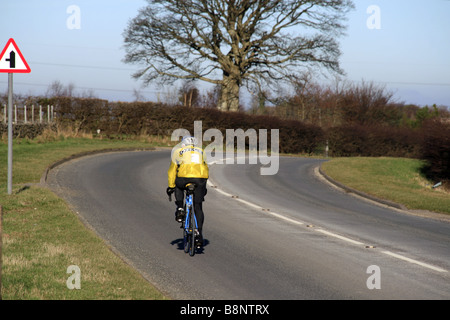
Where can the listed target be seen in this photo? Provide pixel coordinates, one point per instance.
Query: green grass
(31, 157)
(42, 237)
(395, 179)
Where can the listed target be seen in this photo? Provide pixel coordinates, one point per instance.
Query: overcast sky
(402, 44)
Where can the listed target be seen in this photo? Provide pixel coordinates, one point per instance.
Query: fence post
(32, 113)
(40, 114)
(15, 114)
(48, 114)
(25, 114)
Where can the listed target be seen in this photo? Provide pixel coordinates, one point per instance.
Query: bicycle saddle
(190, 187)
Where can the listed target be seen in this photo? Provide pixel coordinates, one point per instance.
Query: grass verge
(42, 237)
(394, 179)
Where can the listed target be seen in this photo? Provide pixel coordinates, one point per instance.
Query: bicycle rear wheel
(192, 234)
(185, 232)
(186, 242)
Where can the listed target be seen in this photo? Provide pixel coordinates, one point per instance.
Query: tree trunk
(229, 95)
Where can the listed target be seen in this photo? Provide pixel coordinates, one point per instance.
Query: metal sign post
(10, 131)
(11, 61)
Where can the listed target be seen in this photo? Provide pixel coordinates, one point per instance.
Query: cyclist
(189, 165)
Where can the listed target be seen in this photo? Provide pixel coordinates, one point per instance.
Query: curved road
(287, 236)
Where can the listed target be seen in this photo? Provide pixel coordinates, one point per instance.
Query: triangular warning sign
(12, 60)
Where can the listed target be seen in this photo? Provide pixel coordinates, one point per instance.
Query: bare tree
(138, 96)
(189, 95)
(210, 98)
(234, 42)
(57, 89)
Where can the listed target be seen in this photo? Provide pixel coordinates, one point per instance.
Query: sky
(403, 45)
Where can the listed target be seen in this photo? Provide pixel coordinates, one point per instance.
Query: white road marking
(331, 234)
(423, 264)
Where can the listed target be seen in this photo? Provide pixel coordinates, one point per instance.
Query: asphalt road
(287, 236)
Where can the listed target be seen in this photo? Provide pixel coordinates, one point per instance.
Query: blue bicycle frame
(189, 205)
(189, 234)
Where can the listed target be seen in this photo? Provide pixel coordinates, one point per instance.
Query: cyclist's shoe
(179, 215)
(199, 241)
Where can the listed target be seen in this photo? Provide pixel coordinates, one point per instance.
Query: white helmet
(189, 141)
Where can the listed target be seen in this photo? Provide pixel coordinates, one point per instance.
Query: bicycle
(189, 224)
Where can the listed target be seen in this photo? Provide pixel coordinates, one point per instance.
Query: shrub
(27, 130)
(374, 141)
(436, 150)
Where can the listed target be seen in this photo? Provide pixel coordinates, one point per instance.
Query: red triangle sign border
(27, 70)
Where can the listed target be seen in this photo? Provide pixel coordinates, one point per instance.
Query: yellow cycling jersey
(187, 162)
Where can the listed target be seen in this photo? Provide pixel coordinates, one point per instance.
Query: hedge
(374, 141)
(26, 130)
(135, 118)
(436, 150)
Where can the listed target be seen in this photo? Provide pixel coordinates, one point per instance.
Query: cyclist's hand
(170, 190)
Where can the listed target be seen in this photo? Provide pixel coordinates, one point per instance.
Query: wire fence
(29, 114)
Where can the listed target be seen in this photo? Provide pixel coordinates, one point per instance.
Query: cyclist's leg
(198, 208)
(179, 198)
(199, 197)
(179, 193)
